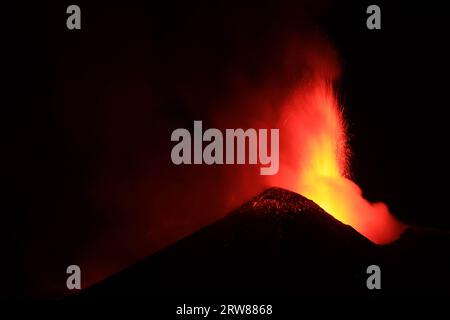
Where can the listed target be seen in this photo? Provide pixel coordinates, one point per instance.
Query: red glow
(316, 129)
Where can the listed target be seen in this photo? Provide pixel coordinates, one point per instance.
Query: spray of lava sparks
(318, 142)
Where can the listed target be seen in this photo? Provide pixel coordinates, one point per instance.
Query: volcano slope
(282, 245)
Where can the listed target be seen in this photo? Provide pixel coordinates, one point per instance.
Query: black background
(393, 85)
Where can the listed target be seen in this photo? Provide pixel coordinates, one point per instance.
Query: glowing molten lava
(318, 144)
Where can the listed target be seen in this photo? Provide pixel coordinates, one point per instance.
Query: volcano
(282, 245)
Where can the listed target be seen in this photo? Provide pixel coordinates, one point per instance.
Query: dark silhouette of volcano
(282, 245)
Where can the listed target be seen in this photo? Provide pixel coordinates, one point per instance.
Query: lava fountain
(319, 162)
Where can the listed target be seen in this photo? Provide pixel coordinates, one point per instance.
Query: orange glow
(319, 158)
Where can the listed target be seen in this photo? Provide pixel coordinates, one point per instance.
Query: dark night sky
(85, 164)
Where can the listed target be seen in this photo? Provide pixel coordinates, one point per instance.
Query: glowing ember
(318, 143)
